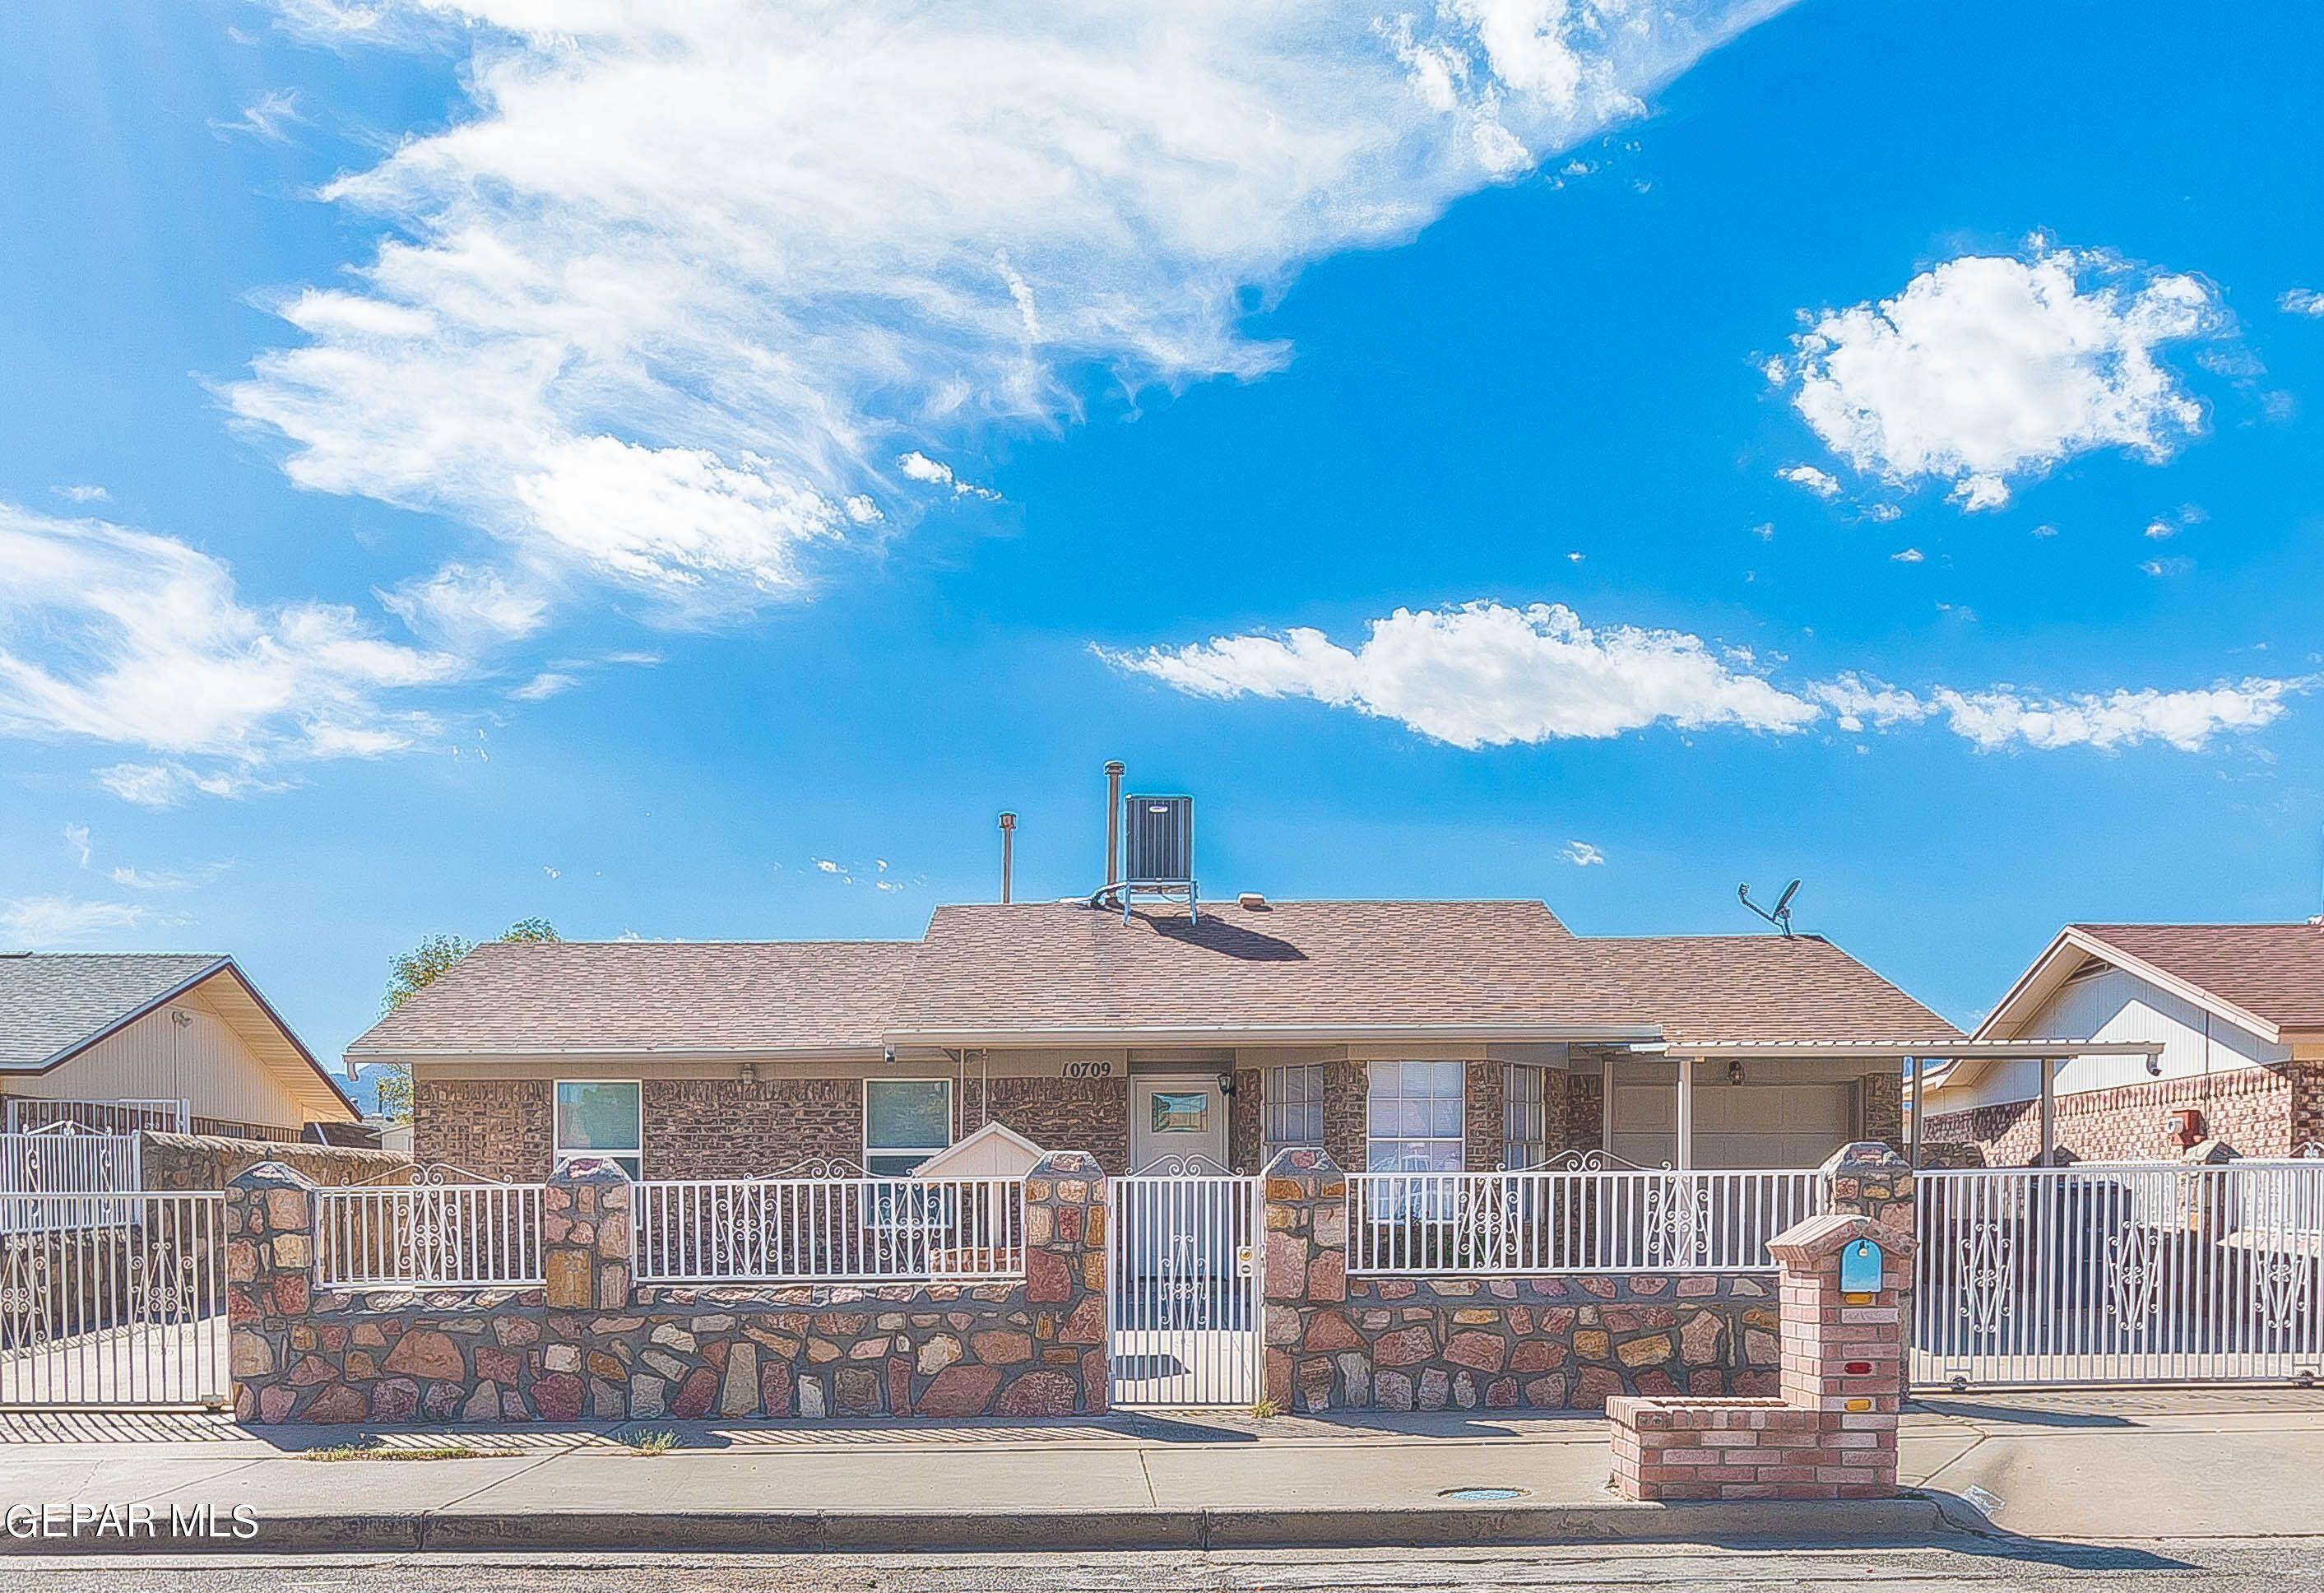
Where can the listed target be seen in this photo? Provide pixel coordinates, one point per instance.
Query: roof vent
(1252, 901)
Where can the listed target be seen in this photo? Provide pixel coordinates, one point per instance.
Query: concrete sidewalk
(2093, 1467)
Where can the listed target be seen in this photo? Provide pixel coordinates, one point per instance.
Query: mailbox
(1859, 1268)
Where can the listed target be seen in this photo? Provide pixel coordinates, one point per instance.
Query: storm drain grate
(1482, 1496)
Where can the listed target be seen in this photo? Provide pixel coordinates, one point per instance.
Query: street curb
(1913, 1518)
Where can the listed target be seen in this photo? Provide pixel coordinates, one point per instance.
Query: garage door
(1735, 1126)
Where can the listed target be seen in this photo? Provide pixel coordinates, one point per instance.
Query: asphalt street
(2215, 1563)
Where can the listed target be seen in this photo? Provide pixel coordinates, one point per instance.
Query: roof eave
(1277, 1035)
(2034, 986)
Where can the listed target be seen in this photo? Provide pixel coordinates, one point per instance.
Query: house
(1422, 1034)
(127, 1042)
(2231, 1018)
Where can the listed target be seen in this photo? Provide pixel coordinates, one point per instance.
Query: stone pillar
(270, 1261)
(1072, 1369)
(1314, 1359)
(587, 1236)
(1872, 1180)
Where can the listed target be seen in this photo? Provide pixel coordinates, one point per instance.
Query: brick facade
(1881, 1097)
(2261, 1111)
(1347, 1107)
(726, 1128)
(497, 1128)
(1484, 1092)
(1245, 1125)
(1089, 1115)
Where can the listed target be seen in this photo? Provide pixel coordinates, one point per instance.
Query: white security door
(1179, 1123)
(1184, 1285)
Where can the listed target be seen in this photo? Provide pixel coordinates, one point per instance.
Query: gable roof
(54, 1005)
(2266, 978)
(576, 997)
(1763, 990)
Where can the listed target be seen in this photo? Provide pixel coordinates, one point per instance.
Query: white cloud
(165, 785)
(143, 641)
(82, 493)
(677, 284)
(467, 608)
(919, 466)
(2157, 530)
(547, 684)
(2302, 302)
(163, 879)
(1990, 370)
(1908, 556)
(77, 842)
(2160, 568)
(36, 924)
(1822, 482)
(270, 117)
(1482, 674)
(1582, 855)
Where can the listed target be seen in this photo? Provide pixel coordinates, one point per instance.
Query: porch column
(1914, 1130)
(2047, 1068)
(1685, 1111)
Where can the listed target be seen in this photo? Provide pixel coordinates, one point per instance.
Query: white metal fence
(27, 1113)
(123, 1313)
(1585, 1219)
(429, 1236)
(2135, 1272)
(829, 1230)
(67, 1176)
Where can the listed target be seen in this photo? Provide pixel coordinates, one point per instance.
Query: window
(1525, 1117)
(1295, 1106)
(906, 1121)
(1179, 1112)
(600, 1117)
(1415, 1111)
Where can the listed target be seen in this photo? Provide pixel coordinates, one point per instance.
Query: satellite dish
(1781, 914)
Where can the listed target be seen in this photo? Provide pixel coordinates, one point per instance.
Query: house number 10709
(1089, 1070)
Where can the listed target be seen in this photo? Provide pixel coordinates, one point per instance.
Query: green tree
(421, 967)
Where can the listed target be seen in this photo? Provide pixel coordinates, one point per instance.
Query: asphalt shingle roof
(1065, 967)
(54, 1002)
(2273, 971)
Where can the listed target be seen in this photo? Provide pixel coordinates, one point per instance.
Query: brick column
(587, 1236)
(270, 1260)
(1314, 1357)
(1072, 1370)
(1872, 1180)
(1833, 1433)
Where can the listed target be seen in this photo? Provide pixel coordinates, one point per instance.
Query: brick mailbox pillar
(1304, 1272)
(1072, 1370)
(270, 1261)
(1832, 1435)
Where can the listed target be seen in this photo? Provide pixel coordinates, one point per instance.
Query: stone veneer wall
(1091, 1114)
(1245, 1123)
(205, 1161)
(1334, 1342)
(497, 1128)
(591, 1344)
(1881, 1097)
(1483, 1124)
(1583, 1102)
(2270, 1110)
(727, 1128)
(1346, 1108)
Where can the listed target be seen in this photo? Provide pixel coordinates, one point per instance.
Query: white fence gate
(1182, 1288)
(2119, 1272)
(113, 1302)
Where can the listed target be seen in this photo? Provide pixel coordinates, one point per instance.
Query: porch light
(748, 1072)
(1735, 1070)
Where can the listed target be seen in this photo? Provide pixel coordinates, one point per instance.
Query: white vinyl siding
(204, 1062)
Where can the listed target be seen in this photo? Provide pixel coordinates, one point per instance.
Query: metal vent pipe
(1008, 851)
(1113, 772)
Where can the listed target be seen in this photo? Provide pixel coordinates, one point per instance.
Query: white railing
(28, 1113)
(2109, 1273)
(829, 1230)
(63, 1176)
(1586, 1218)
(429, 1236)
(132, 1313)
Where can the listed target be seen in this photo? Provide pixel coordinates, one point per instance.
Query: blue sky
(790, 440)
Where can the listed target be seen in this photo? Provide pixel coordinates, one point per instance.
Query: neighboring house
(128, 1042)
(2237, 1011)
(1400, 1034)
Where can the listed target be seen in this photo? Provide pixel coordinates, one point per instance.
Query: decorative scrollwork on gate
(1195, 1165)
(24, 1310)
(2134, 1268)
(1184, 1285)
(437, 1241)
(1678, 1223)
(1592, 1162)
(2280, 1290)
(161, 1291)
(1985, 1264)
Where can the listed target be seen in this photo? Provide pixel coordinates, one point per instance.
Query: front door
(1177, 1125)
